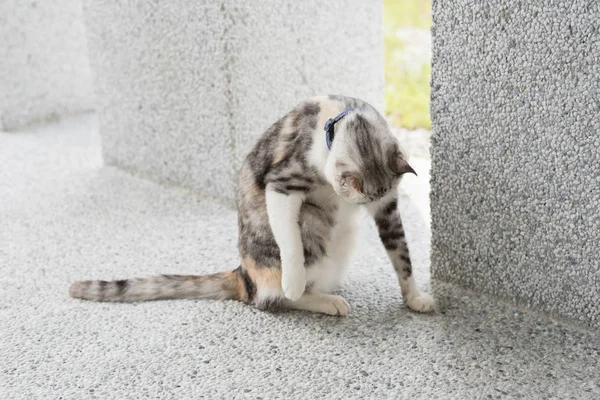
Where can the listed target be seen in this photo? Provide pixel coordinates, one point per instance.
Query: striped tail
(219, 286)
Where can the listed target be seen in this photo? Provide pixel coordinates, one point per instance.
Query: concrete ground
(63, 216)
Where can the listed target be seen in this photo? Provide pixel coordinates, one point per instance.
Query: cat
(299, 191)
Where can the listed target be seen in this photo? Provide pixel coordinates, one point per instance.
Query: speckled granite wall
(516, 151)
(186, 86)
(44, 68)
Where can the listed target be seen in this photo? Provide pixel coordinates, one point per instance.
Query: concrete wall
(44, 69)
(186, 86)
(516, 151)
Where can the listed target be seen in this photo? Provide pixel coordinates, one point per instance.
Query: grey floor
(63, 216)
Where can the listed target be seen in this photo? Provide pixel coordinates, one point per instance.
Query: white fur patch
(326, 275)
(265, 294)
(283, 211)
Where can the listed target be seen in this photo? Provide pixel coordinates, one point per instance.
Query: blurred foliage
(415, 13)
(407, 89)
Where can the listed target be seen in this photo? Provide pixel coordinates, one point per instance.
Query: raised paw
(293, 282)
(336, 305)
(421, 302)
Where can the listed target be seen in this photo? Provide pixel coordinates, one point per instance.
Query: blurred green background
(407, 44)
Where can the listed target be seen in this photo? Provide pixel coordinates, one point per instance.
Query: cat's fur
(297, 203)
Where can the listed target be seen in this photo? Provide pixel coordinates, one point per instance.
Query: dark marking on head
(311, 109)
(308, 116)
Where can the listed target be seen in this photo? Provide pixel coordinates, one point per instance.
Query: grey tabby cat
(300, 189)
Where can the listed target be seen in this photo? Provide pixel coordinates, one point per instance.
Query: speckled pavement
(64, 217)
(515, 107)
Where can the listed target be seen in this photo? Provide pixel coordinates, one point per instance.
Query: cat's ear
(400, 166)
(352, 181)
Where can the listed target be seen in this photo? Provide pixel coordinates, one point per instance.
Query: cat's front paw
(420, 301)
(293, 282)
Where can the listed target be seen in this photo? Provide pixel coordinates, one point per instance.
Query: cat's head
(365, 162)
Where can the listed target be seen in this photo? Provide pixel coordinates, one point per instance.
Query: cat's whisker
(330, 196)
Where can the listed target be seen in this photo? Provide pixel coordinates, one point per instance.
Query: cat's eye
(350, 180)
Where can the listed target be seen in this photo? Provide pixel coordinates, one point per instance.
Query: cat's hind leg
(263, 285)
(321, 303)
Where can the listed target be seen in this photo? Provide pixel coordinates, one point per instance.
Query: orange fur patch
(263, 277)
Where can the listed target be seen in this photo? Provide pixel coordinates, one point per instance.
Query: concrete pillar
(44, 68)
(186, 86)
(516, 151)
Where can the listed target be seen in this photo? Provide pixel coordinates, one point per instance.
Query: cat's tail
(220, 286)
